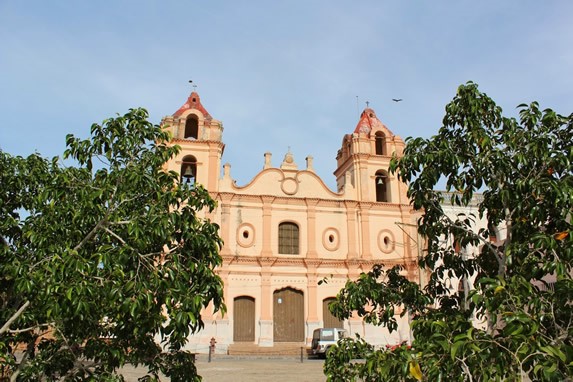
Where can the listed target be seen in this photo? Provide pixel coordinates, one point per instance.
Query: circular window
(289, 186)
(331, 239)
(386, 242)
(245, 235)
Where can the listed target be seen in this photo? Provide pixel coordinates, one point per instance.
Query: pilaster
(364, 214)
(311, 228)
(267, 226)
(225, 223)
(351, 229)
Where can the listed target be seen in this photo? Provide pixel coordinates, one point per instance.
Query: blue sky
(278, 74)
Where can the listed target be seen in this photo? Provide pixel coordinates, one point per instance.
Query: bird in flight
(396, 99)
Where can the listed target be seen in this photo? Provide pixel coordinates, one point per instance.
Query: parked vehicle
(324, 338)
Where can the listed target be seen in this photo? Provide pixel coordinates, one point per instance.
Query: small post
(301, 354)
(211, 347)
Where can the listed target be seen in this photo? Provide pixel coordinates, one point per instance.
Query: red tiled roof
(193, 102)
(368, 122)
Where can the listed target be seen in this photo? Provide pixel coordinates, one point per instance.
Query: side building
(285, 231)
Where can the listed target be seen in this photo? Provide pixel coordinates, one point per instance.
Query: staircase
(278, 349)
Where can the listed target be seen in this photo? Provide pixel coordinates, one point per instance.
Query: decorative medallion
(386, 241)
(289, 186)
(331, 239)
(246, 235)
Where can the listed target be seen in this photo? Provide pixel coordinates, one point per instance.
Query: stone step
(278, 349)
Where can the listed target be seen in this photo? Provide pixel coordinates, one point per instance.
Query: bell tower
(200, 139)
(364, 160)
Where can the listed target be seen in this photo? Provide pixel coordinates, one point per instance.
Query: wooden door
(288, 315)
(244, 319)
(328, 318)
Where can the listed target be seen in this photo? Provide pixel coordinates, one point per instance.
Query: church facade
(286, 231)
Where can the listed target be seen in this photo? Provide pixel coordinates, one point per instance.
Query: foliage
(522, 288)
(102, 260)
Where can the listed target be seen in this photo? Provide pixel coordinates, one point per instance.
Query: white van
(324, 338)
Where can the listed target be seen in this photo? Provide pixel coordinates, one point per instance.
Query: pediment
(281, 183)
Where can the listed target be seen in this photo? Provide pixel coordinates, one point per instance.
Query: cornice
(305, 201)
(209, 141)
(310, 263)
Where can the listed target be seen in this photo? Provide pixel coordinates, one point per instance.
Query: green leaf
(454, 349)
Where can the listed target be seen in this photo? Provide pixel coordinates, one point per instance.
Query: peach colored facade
(323, 233)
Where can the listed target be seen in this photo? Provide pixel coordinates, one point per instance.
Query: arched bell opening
(191, 127)
(379, 143)
(188, 170)
(382, 186)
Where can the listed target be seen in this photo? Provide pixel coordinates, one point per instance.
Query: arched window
(191, 127)
(381, 184)
(288, 239)
(380, 140)
(188, 170)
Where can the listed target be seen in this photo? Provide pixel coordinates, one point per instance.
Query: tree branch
(465, 368)
(91, 233)
(18, 331)
(114, 235)
(6, 326)
(122, 222)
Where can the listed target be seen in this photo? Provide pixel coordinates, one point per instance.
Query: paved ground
(251, 369)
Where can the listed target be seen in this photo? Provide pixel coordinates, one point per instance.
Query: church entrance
(288, 315)
(244, 319)
(329, 320)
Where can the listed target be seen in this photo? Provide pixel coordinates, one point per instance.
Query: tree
(525, 169)
(103, 259)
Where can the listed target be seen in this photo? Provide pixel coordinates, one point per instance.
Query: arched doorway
(244, 319)
(288, 315)
(328, 319)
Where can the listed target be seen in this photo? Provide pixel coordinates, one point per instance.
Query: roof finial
(367, 103)
(194, 86)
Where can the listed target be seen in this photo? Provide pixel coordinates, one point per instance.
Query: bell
(188, 174)
(380, 180)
